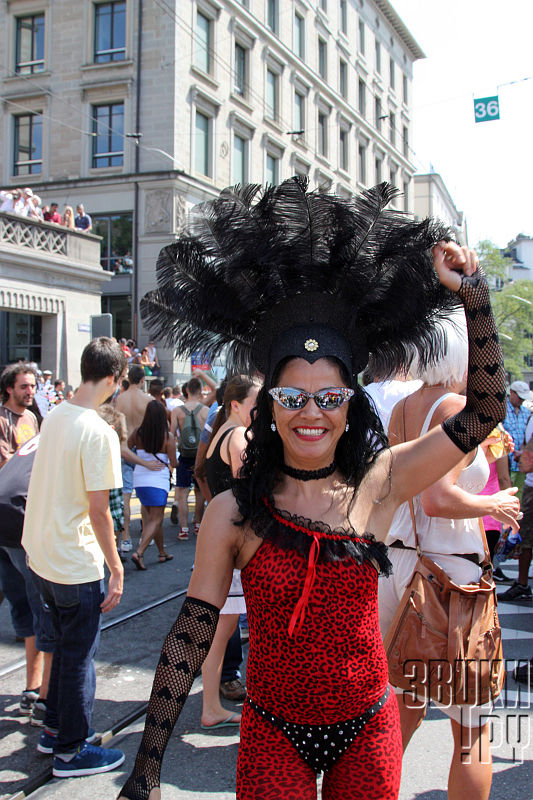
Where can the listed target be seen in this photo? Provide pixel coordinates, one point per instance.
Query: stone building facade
(140, 109)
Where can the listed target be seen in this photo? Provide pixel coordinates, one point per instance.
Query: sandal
(183, 535)
(138, 561)
(165, 557)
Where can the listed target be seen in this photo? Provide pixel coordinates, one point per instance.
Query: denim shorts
(28, 611)
(127, 477)
(184, 472)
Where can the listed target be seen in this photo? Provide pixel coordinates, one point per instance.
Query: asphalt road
(201, 766)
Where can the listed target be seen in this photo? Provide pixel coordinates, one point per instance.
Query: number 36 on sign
(486, 108)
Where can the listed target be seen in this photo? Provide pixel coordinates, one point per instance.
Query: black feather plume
(258, 261)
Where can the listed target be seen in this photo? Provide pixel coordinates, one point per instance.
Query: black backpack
(189, 437)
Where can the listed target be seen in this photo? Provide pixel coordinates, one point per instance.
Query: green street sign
(486, 108)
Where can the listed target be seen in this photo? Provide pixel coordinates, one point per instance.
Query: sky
(472, 47)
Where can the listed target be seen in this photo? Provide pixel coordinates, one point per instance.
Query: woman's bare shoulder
(222, 513)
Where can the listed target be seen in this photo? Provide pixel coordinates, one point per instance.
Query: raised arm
(418, 464)
(188, 642)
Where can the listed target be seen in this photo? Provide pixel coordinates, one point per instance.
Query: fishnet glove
(183, 653)
(485, 388)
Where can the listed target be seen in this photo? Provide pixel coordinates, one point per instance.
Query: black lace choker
(309, 474)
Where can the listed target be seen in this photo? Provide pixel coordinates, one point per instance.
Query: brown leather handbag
(444, 641)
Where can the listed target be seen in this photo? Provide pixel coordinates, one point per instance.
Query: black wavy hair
(356, 451)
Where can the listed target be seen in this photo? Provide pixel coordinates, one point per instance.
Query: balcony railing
(51, 239)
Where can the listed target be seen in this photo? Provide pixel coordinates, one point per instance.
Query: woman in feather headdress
(301, 286)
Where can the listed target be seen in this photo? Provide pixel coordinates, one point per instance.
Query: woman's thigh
(269, 767)
(371, 767)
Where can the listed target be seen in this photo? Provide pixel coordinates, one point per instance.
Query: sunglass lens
(329, 400)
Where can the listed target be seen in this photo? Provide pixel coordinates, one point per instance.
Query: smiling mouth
(316, 432)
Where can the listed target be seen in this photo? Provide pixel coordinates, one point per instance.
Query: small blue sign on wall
(486, 108)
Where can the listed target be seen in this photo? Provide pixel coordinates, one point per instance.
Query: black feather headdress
(269, 273)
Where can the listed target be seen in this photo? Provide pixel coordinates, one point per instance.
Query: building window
(361, 37)
(362, 163)
(299, 36)
(392, 123)
(108, 135)
(343, 15)
(299, 113)
(343, 149)
(272, 169)
(343, 78)
(29, 51)
(109, 32)
(28, 145)
(406, 196)
(392, 73)
(202, 144)
(20, 337)
(377, 113)
(322, 59)
(378, 57)
(393, 176)
(323, 133)
(324, 5)
(362, 97)
(272, 95)
(240, 159)
(405, 89)
(378, 164)
(241, 58)
(116, 231)
(119, 306)
(204, 42)
(405, 138)
(272, 15)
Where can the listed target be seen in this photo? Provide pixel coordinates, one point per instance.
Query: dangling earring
(347, 427)
(273, 427)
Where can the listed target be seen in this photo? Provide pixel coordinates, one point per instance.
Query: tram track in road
(9, 669)
(39, 780)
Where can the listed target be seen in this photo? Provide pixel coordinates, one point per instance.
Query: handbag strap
(410, 501)
(486, 551)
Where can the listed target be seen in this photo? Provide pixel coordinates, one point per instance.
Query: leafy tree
(513, 309)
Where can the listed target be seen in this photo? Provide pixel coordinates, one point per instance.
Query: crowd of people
(303, 483)
(26, 203)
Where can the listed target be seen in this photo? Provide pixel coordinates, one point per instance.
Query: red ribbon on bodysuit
(298, 615)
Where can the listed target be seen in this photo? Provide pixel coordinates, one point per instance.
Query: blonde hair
(70, 223)
(115, 418)
(452, 365)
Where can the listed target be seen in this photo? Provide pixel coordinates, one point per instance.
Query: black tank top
(217, 472)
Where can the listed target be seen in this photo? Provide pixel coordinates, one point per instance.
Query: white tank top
(156, 479)
(437, 534)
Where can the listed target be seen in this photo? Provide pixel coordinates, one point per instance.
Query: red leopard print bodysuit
(331, 669)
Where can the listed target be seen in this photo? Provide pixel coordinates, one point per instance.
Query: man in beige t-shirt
(68, 534)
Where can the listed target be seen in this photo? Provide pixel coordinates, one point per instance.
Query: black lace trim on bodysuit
(183, 653)
(485, 389)
(292, 532)
(321, 746)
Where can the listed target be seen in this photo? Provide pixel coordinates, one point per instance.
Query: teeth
(310, 431)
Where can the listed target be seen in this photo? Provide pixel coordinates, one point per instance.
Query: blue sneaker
(48, 738)
(89, 760)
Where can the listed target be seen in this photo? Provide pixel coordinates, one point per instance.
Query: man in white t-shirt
(68, 534)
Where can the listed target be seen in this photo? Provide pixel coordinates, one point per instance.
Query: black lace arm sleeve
(183, 653)
(485, 389)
